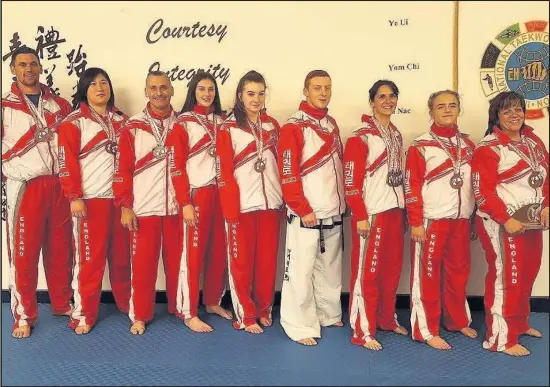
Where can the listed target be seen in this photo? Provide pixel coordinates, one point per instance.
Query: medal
(456, 181)
(159, 151)
(212, 149)
(395, 175)
(43, 135)
(259, 165)
(535, 179)
(42, 132)
(111, 147)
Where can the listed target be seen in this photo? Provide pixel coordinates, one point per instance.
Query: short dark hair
(313, 74)
(382, 82)
(502, 101)
(84, 83)
(191, 99)
(21, 51)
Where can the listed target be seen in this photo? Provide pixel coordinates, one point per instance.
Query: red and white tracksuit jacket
(251, 204)
(444, 212)
(376, 262)
(37, 214)
(501, 187)
(142, 182)
(310, 166)
(86, 171)
(194, 177)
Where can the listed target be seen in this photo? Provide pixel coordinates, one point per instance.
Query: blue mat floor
(170, 354)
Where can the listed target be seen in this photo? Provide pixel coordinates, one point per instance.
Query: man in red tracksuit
(38, 215)
(440, 202)
(143, 189)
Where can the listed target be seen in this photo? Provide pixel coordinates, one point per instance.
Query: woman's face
(205, 92)
(511, 118)
(253, 97)
(385, 101)
(445, 110)
(99, 91)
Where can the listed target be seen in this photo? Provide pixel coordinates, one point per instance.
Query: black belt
(320, 227)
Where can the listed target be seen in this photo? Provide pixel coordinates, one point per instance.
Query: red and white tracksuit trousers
(153, 233)
(253, 245)
(446, 253)
(97, 238)
(376, 265)
(203, 246)
(38, 217)
(514, 262)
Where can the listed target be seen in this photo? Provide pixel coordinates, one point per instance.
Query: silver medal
(456, 181)
(259, 165)
(111, 147)
(212, 151)
(159, 152)
(536, 180)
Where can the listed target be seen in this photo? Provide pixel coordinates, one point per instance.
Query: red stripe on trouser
(206, 250)
(446, 253)
(381, 270)
(42, 222)
(96, 238)
(154, 232)
(513, 273)
(253, 265)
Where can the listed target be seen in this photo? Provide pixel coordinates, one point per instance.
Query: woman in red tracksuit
(374, 191)
(251, 198)
(194, 178)
(87, 147)
(510, 178)
(440, 202)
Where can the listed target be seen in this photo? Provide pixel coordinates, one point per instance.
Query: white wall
(354, 41)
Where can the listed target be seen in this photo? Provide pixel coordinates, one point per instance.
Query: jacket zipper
(263, 190)
(459, 202)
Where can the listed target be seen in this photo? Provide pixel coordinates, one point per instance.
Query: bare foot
(308, 342)
(532, 332)
(517, 350)
(82, 330)
(469, 332)
(373, 345)
(438, 343)
(337, 324)
(222, 312)
(22, 332)
(401, 331)
(254, 328)
(266, 321)
(138, 328)
(197, 325)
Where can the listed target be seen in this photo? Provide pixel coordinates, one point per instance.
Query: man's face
(318, 92)
(159, 91)
(27, 69)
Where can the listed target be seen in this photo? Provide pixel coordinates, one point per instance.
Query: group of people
(89, 185)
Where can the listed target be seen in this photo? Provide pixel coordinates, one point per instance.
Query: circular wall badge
(517, 60)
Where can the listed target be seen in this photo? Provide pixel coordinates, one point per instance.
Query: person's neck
(514, 135)
(100, 109)
(383, 119)
(253, 116)
(161, 112)
(29, 89)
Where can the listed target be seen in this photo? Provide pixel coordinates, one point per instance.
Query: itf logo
(517, 60)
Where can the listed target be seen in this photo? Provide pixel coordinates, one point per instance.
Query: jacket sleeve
(178, 169)
(125, 162)
(355, 160)
(69, 138)
(291, 143)
(230, 197)
(415, 170)
(485, 180)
